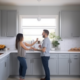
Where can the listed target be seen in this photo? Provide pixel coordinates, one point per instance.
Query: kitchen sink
(1, 53)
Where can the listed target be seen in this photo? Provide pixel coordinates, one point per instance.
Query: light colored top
(46, 44)
(21, 51)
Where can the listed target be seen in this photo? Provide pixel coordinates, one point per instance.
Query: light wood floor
(51, 79)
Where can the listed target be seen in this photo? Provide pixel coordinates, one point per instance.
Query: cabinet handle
(73, 35)
(69, 61)
(75, 58)
(5, 64)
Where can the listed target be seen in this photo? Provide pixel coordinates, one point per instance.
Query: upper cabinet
(8, 23)
(70, 24)
(0, 23)
(3, 23)
(11, 23)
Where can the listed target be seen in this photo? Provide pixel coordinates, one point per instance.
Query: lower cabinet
(8, 65)
(53, 64)
(63, 64)
(14, 64)
(37, 68)
(29, 67)
(59, 64)
(63, 67)
(74, 67)
(4, 69)
(74, 64)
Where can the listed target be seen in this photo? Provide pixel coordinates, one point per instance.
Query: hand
(39, 46)
(37, 40)
(31, 47)
(34, 49)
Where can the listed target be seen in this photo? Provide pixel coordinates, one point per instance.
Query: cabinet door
(11, 23)
(29, 67)
(53, 66)
(3, 71)
(64, 66)
(14, 64)
(37, 67)
(3, 22)
(8, 66)
(0, 23)
(70, 24)
(74, 66)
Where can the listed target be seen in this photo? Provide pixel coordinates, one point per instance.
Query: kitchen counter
(5, 53)
(60, 63)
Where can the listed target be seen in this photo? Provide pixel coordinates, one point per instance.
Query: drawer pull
(75, 58)
(75, 55)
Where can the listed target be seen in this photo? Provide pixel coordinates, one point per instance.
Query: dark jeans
(45, 65)
(23, 67)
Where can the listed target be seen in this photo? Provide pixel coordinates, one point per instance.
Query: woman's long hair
(19, 38)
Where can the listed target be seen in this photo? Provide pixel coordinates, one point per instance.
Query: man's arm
(44, 46)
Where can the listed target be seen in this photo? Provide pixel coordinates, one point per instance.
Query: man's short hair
(46, 31)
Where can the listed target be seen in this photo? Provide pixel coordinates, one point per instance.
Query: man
(45, 55)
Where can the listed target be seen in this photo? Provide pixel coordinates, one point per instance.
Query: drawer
(75, 55)
(33, 55)
(63, 55)
(53, 55)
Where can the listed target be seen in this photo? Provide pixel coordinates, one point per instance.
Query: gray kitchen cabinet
(37, 67)
(11, 23)
(53, 64)
(3, 23)
(74, 64)
(0, 22)
(29, 67)
(8, 66)
(14, 64)
(8, 23)
(70, 24)
(63, 64)
(63, 67)
(3, 69)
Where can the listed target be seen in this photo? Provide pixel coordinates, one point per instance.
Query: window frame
(36, 16)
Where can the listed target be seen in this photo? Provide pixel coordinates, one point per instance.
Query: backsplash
(9, 42)
(66, 44)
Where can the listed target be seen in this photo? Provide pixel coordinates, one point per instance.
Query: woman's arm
(23, 46)
(32, 43)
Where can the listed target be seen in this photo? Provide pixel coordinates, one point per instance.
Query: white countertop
(5, 53)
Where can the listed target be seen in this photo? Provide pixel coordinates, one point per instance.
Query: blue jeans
(23, 67)
(46, 68)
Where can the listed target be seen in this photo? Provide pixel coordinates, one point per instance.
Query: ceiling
(40, 2)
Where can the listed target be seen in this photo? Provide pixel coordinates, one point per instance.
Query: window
(32, 28)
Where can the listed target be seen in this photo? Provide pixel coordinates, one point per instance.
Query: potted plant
(55, 40)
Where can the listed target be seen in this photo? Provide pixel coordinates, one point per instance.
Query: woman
(21, 47)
